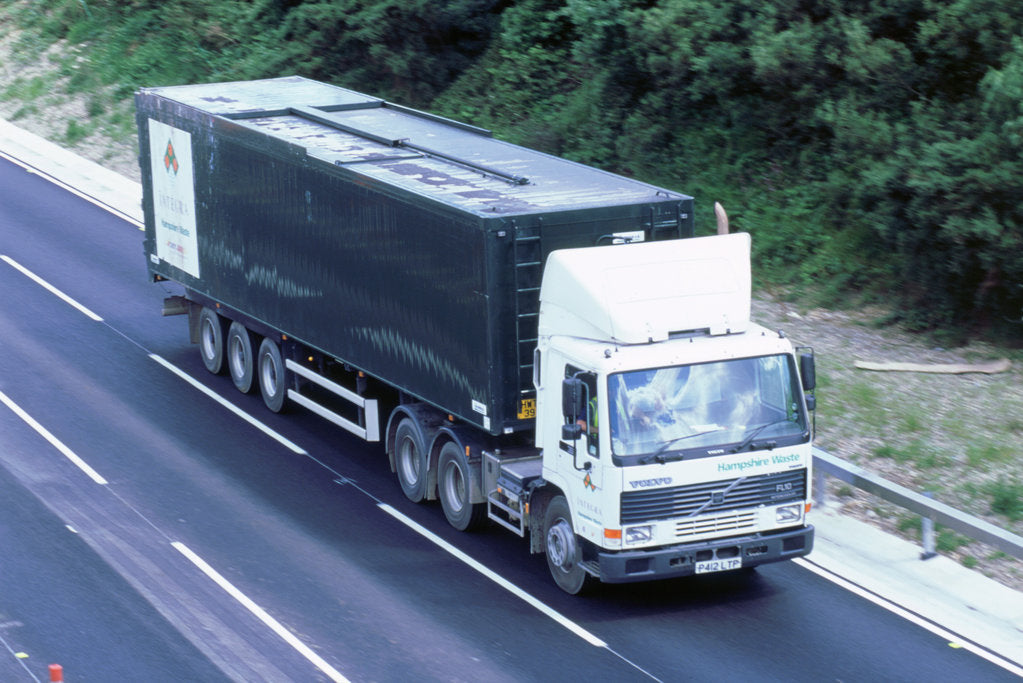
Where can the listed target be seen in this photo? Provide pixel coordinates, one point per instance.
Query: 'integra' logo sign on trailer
(170, 153)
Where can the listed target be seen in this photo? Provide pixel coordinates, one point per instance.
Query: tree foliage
(871, 146)
(410, 48)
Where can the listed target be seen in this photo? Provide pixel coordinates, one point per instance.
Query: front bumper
(680, 560)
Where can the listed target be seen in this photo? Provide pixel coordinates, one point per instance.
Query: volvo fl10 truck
(538, 344)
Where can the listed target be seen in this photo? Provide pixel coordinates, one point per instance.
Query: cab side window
(590, 424)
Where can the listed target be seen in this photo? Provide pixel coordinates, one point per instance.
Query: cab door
(579, 454)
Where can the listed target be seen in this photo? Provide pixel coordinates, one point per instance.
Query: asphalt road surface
(157, 525)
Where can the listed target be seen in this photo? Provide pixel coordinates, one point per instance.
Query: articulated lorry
(538, 344)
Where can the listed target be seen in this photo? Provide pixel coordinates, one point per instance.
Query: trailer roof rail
(486, 170)
(439, 119)
(319, 115)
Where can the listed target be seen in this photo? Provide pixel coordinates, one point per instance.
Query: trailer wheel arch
(396, 416)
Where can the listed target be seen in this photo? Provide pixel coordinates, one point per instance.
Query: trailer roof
(448, 161)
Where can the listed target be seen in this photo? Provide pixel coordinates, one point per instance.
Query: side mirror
(808, 371)
(571, 431)
(573, 399)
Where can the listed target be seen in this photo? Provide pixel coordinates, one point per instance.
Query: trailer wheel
(564, 552)
(211, 340)
(273, 382)
(239, 357)
(453, 485)
(410, 460)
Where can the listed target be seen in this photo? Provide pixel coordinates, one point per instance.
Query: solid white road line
(261, 614)
(46, 285)
(230, 406)
(951, 638)
(188, 378)
(54, 441)
(496, 578)
(75, 191)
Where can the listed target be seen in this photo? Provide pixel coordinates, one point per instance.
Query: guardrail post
(819, 492)
(927, 532)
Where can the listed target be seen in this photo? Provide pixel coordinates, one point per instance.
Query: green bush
(75, 132)
(1007, 499)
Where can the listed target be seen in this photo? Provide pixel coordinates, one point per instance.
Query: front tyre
(453, 487)
(564, 551)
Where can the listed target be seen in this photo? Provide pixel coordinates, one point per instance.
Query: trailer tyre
(564, 551)
(410, 460)
(211, 340)
(453, 485)
(240, 357)
(273, 378)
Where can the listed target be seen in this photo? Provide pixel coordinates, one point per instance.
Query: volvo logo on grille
(647, 483)
(717, 497)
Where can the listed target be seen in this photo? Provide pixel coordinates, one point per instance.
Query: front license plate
(718, 565)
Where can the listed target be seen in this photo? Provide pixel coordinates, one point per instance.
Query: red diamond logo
(170, 161)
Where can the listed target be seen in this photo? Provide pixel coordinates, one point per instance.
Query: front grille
(707, 525)
(710, 497)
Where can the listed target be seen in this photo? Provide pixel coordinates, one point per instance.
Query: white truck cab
(675, 429)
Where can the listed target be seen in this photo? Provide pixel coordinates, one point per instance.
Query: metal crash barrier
(932, 511)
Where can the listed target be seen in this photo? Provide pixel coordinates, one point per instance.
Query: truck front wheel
(453, 486)
(564, 552)
(239, 357)
(273, 384)
(211, 340)
(410, 460)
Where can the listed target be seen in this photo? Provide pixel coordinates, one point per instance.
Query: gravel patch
(957, 436)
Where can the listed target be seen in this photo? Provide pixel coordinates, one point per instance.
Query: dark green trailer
(528, 336)
(399, 245)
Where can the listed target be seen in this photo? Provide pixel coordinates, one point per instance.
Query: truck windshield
(703, 410)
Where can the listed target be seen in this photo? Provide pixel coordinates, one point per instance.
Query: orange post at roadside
(56, 673)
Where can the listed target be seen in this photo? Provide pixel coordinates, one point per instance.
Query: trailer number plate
(527, 409)
(718, 565)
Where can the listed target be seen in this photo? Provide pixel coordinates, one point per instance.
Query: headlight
(638, 534)
(788, 513)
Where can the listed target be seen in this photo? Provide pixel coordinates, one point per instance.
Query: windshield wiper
(659, 456)
(748, 441)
